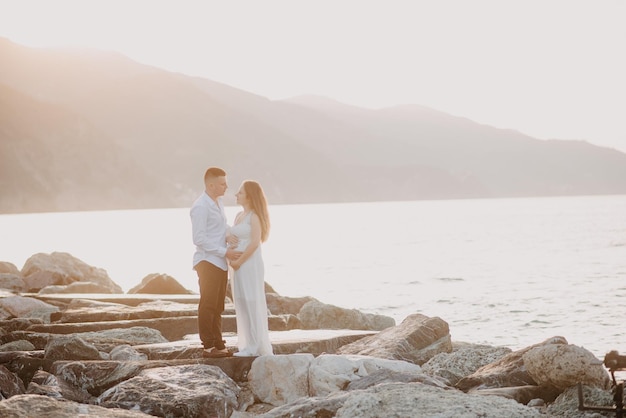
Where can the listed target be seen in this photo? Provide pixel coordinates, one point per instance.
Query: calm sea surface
(508, 272)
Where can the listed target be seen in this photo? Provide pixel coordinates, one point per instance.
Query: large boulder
(59, 268)
(318, 315)
(509, 371)
(160, 284)
(278, 380)
(565, 365)
(417, 339)
(178, 391)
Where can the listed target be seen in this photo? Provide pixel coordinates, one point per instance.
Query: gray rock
(126, 353)
(317, 315)
(313, 407)
(70, 347)
(43, 406)
(419, 400)
(417, 339)
(19, 345)
(189, 391)
(566, 404)
(462, 362)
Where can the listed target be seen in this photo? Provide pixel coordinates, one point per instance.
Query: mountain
(83, 129)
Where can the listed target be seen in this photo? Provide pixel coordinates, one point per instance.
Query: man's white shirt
(209, 228)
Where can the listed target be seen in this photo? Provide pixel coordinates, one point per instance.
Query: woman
(251, 227)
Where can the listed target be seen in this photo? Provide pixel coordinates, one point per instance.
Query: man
(209, 228)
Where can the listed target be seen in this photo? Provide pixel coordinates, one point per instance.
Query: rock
(10, 268)
(390, 376)
(10, 384)
(416, 399)
(509, 371)
(563, 366)
(71, 348)
(278, 380)
(44, 383)
(24, 364)
(126, 353)
(168, 329)
(316, 315)
(17, 324)
(521, 394)
(313, 407)
(76, 287)
(277, 304)
(462, 362)
(566, 404)
(417, 339)
(160, 284)
(85, 381)
(186, 391)
(12, 282)
(43, 406)
(59, 268)
(330, 373)
(19, 345)
(25, 307)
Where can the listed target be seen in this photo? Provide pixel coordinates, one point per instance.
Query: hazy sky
(548, 68)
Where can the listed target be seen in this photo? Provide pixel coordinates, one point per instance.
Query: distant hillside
(93, 130)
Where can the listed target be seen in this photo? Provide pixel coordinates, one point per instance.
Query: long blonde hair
(258, 203)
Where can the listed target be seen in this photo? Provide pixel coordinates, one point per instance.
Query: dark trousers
(212, 281)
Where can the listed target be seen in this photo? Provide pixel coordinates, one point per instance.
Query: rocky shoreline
(72, 344)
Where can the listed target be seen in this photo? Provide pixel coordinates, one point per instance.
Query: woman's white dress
(248, 288)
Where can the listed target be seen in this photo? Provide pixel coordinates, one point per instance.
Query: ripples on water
(509, 272)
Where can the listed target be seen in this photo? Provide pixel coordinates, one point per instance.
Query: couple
(217, 246)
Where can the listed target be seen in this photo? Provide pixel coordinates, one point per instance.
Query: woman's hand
(235, 265)
(232, 241)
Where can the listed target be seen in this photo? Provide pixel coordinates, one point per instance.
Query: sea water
(508, 272)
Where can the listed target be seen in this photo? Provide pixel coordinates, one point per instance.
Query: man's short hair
(213, 173)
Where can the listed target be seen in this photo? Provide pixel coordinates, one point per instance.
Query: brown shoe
(215, 353)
